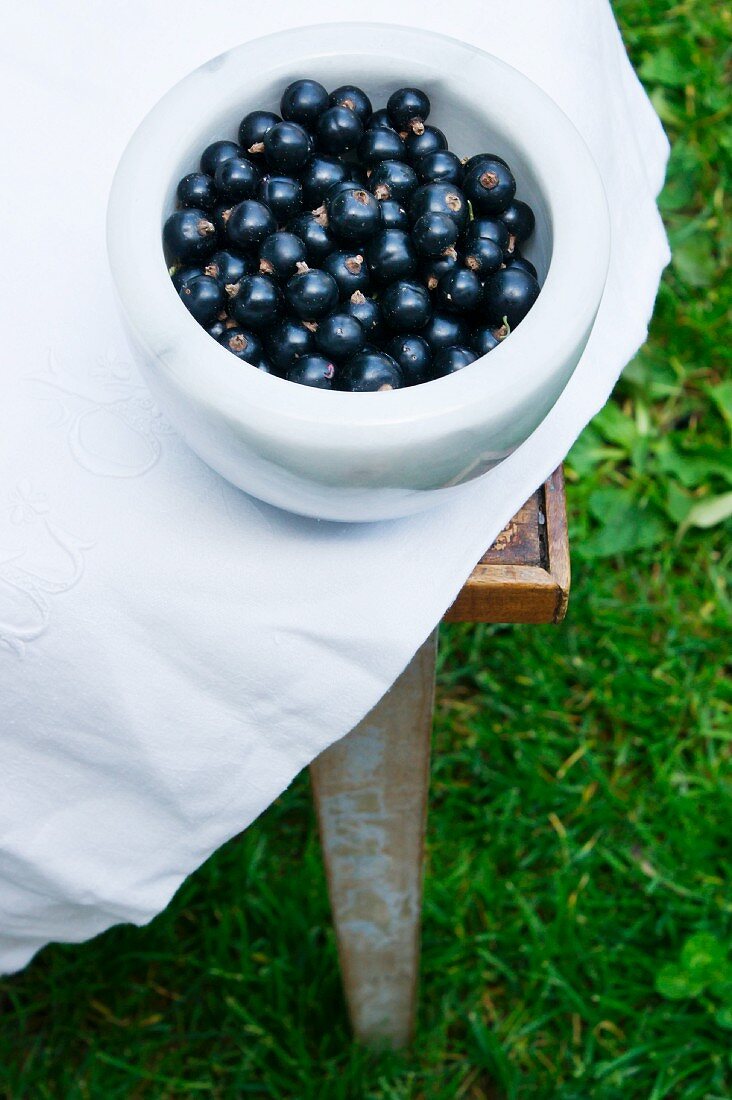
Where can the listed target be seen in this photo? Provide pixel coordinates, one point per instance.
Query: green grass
(582, 790)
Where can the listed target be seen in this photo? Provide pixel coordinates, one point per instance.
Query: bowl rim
(581, 244)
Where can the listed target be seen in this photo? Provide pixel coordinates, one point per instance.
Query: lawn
(578, 908)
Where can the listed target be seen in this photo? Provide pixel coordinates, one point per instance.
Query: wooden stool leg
(370, 791)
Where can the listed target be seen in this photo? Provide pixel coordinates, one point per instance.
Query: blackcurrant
(483, 256)
(188, 235)
(354, 216)
(313, 370)
(228, 267)
(236, 179)
(287, 148)
(433, 268)
(516, 260)
(220, 217)
(252, 129)
(344, 185)
(391, 256)
(406, 306)
(203, 297)
(257, 304)
(367, 312)
(414, 357)
(489, 187)
(249, 223)
(452, 359)
(418, 145)
(379, 145)
(318, 178)
(369, 371)
(312, 230)
(509, 294)
(354, 99)
(245, 345)
(459, 291)
(441, 166)
(338, 129)
(393, 215)
(287, 342)
(350, 272)
(408, 109)
(339, 336)
(519, 219)
(483, 340)
(440, 198)
(280, 254)
(197, 190)
(432, 233)
(283, 196)
(393, 179)
(303, 101)
(380, 120)
(216, 153)
(444, 330)
(218, 328)
(491, 228)
(182, 273)
(312, 294)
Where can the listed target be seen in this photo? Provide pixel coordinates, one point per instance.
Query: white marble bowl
(364, 456)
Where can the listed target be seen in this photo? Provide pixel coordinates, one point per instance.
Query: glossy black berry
(280, 254)
(408, 109)
(406, 306)
(483, 256)
(242, 344)
(440, 198)
(257, 304)
(338, 129)
(519, 219)
(287, 342)
(344, 185)
(431, 140)
(354, 216)
(380, 120)
(311, 295)
(379, 145)
(440, 167)
(313, 370)
(393, 179)
(203, 297)
(491, 228)
(370, 371)
(350, 272)
(220, 217)
(318, 178)
(188, 235)
(459, 291)
(509, 294)
(394, 215)
(479, 158)
(252, 129)
(452, 359)
(218, 328)
(354, 99)
(391, 256)
(216, 153)
(283, 195)
(303, 101)
(339, 336)
(313, 231)
(287, 148)
(249, 223)
(489, 187)
(367, 312)
(444, 330)
(432, 233)
(262, 363)
(197, 190)
(523, 263)
(414, 357)
(228, 267)
(483, 340)
(433, 268)
(182, 273)
(236, 179)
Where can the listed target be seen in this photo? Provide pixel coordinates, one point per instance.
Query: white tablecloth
(173, 653)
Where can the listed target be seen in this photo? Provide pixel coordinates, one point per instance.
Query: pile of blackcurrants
(348, 249)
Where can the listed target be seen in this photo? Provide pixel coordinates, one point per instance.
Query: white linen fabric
(172, 652)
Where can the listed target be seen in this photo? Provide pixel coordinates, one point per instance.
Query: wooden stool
(370, 788)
